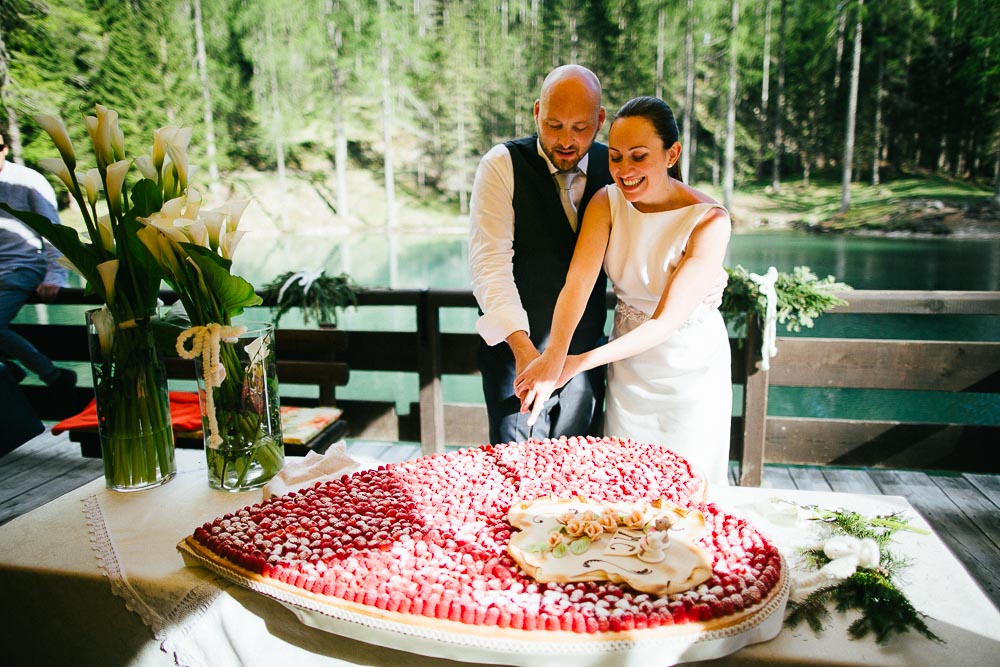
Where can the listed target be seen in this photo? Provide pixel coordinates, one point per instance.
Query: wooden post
(429, 363)
(754, 408)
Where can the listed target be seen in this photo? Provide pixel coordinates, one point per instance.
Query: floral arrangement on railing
(794, 299)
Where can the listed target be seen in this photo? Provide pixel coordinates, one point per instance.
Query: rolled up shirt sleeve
(491, 248)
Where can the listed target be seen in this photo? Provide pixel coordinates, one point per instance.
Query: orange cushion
(185, 414)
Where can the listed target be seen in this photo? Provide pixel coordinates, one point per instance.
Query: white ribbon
(206, 341)
(305, 277)
(768, 346)
(846, 554)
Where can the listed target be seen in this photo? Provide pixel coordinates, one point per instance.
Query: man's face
(568, 118)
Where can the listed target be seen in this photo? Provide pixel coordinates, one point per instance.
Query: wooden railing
(953, 366)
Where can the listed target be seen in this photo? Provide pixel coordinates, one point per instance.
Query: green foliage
(802, 297)
(885, 610)
(320, 297)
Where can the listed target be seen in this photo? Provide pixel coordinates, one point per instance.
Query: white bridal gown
(678, 393)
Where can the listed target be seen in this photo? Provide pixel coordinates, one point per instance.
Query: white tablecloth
(146, 607)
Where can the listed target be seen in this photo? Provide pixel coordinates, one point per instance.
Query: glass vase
(133, 406)
(241, 416)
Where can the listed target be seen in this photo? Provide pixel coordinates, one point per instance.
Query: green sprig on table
(885, 609)
(320, 299)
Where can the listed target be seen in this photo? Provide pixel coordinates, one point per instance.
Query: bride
(662, 244)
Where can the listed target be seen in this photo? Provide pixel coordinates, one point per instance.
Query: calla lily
(59, 168)
(167, 228)
(161, 138)
(178, 157)
(53, 125)
(116, 178)
(104, 322)
(107, 235)
(213, 223)
(161, 248)
(195, 231)
(92, 184)
(90, 122)
(116, 136)
(102, 138)
(146, 168)
(108, 271)
(174, 208)
(169, 182)
(235, 211)
(227, 248)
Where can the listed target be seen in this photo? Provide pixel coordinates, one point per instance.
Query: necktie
(565, 181)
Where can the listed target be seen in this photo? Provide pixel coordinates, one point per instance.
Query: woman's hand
(537, 382)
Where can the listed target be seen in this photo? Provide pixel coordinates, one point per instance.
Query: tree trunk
(996, 176)
(779, 110)
(879, 94)
(660, 19)
(206, 95)
(13, 135)
(942, 160)
(277, 128)
(729, 167)
(387, 122)
(334, 39)
(852, 113)
(688, 142)
(765, 92)
(841, 29)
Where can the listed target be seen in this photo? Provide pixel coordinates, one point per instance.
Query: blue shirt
(24, 189)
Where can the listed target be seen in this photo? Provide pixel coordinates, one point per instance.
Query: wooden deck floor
(964, 510)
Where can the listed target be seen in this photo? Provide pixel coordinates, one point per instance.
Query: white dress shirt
(491, 242)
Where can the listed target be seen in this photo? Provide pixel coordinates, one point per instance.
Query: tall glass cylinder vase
(133, 406)
(241, 415)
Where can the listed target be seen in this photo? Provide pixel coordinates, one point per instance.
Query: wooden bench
(305, 357)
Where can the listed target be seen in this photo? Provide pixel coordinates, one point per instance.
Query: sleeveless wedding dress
(678, 393)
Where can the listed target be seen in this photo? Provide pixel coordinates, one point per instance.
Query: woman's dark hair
(659, 114)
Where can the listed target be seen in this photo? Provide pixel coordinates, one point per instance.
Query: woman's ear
(673, 154)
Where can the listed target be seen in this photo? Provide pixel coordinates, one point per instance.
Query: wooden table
(60, 608)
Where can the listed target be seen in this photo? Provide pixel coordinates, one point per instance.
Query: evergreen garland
(885, 609)
(802, 297)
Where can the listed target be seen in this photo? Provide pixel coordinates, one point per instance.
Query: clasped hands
(542, 376)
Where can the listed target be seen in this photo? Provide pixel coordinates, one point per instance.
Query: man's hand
(524, 352)
(47, 291)
(714, 298)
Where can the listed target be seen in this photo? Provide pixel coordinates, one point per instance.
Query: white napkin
(299, 474)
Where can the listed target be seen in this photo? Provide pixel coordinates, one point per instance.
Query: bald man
(527, 197)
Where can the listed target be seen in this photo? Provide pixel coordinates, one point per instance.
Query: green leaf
(84, 256)
(231, 293)
(146, 199)
(579, 546)
(559, 550)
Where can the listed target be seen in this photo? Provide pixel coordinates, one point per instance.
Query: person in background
(527, 197)
(28, 264)
(662, 244)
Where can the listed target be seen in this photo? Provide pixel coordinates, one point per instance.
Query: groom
(527, 199)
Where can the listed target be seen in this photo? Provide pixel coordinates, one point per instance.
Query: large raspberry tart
(488, 554)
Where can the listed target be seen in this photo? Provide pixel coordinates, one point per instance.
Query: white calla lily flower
(145, 165)
(166, 227)
(59, 168)
(174, 208)
(178, 156)
(116, 136)
(91, 183)
(116, 179)
(195, 231)
(235, 211)
(104, 322)
(102, 137)
(107, 235)
(227, 247)
(108, 271)
(54, 127)
(213, 223)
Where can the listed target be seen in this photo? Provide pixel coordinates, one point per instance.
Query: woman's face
(638, 159)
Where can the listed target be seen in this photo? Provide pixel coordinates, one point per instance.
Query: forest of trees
(417, 90)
